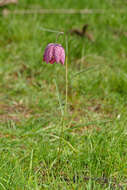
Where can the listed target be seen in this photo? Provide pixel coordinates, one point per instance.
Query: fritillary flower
(54, 53)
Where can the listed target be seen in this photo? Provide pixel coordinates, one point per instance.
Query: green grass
(93, 143)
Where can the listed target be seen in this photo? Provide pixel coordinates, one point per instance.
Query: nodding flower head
(54, 53)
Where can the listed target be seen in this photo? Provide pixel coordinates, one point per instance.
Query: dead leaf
(83, 32)
(6, 2)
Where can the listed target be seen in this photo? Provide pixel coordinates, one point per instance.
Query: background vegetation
(94, 138)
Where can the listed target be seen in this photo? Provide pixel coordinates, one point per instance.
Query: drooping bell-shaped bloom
(54, 53)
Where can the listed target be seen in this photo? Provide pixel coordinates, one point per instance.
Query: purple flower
(54, 53)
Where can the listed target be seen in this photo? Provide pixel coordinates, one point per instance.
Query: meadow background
(94, 134)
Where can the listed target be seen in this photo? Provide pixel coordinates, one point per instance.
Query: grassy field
(87, 149)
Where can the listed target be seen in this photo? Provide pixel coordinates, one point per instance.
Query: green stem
(66, 76)
(66, 73)
(58, 34)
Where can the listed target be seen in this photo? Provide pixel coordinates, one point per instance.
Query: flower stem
(66, 73)
(58, 34)
(66, 76)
